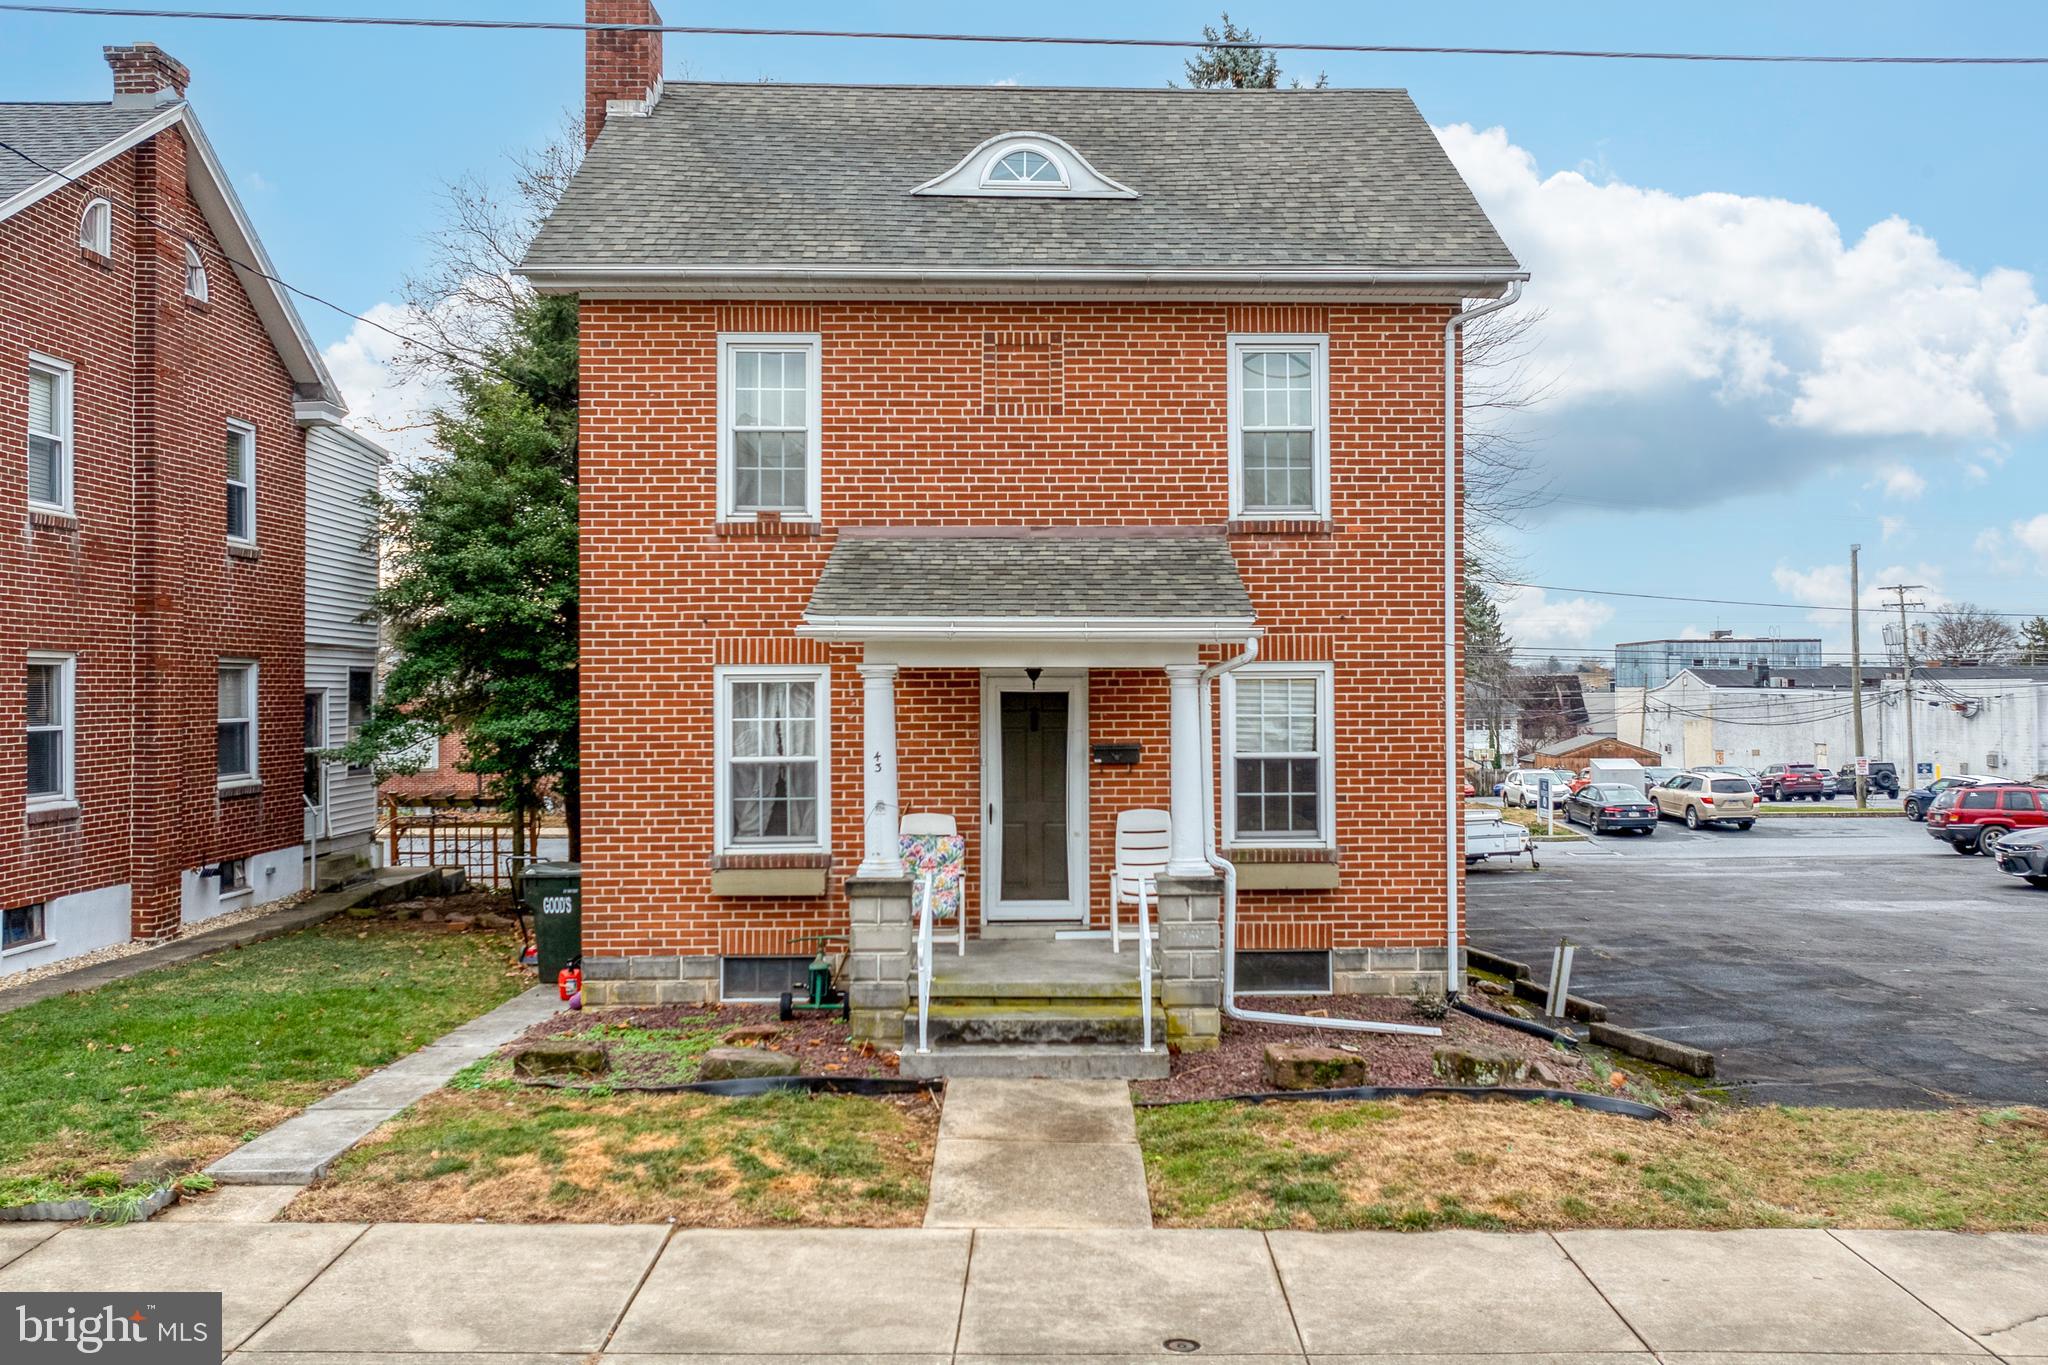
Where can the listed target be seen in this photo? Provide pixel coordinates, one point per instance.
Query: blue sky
(1786, 308)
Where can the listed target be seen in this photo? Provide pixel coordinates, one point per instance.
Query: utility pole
(1906, 653)
(1856, 677)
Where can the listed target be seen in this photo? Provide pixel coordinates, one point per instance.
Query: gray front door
(1034, 795)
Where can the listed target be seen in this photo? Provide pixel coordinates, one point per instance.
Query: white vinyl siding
(773, 784)
(1279, 427)
(351, 792)
(241, 482)
(52, 732)
(49, 434)
(769, 407)
(1278, 784)
(341, 554)
(235, 723)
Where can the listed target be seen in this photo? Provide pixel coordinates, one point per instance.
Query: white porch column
(881, 852)
(1184, 851)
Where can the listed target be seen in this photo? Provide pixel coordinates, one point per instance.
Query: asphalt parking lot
(1824, 960)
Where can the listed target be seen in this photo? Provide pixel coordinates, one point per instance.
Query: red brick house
(157, 395)
(993, 453)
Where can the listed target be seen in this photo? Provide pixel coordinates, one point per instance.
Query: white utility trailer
(1488, 835)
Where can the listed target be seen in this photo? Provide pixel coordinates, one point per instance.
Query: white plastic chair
(933, 843)
(1142, 838)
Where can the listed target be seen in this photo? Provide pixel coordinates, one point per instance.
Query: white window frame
(723, 677)
(96, 227)
(1007, 150)
(1319, 401)
(251, 693)
(320, 745)
(730, 343)
(1324, 676)
(247, 432)
(42, 938)
(195, 274)
(67, 694)
(63, 372)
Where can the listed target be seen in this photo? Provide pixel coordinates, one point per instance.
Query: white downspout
(1229, 871)
(1454, 739)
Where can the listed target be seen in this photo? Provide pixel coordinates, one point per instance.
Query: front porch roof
(1031, 583)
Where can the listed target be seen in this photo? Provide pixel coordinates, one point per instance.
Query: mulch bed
(819, 1042)
(1238, 1066)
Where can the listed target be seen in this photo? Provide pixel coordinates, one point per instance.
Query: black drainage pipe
(1605, 1104)
(1520, 1025)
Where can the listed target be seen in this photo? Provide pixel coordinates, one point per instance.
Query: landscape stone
(561, 1056)
(1303, 1066)
(363, 912)
(1479, 1064)
(742, 1063)
(753, 1033)
(458, 924)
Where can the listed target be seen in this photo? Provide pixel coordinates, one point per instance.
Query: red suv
(1979, 817)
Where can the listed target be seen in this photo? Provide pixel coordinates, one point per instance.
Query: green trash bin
(553, 893)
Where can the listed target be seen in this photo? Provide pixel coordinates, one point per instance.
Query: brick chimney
(618, 66)
(145, 74)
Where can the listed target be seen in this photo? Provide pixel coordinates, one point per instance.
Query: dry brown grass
(510, 1154)
(1415, 1164)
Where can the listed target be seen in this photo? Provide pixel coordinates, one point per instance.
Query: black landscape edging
(1606, 1104)
(1647, 1047)
(1515, 1022)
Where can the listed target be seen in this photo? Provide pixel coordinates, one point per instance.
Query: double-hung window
(241, 483)
(316, 745)
(235, 726)
(49, 434)
(768, 414)
(1279, 428)
(1277, 778)
(773, 789)
(362, 686)
(51, 738)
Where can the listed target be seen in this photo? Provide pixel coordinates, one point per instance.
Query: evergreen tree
(1237, 68)
(2034, 641)
(1489, 663)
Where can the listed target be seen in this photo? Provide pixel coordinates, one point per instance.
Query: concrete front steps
(1048, 1011)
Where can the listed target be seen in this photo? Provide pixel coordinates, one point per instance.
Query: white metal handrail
(924, 966)
(1145, 886)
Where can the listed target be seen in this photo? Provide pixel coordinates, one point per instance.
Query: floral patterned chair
(932, 843)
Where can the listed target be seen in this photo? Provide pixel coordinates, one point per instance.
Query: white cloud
(1827, 586)
(388, 409)
(2011, 550)
(1891, 527)
(1716, 344)
(1900, 482)
(1534, 618)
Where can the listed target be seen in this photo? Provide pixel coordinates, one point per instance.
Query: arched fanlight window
(195, 274)
(96, 227)
(1026, 167)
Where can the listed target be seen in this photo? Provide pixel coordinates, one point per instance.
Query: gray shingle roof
(1030, 573)
(1837, 675)
(765, 175)
(57, 135)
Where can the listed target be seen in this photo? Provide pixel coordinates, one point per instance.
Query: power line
(1718, 601)
(1038, 39)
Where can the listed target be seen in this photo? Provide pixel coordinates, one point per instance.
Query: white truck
(1624, 772)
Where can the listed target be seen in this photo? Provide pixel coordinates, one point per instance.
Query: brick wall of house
(926, 419)
(445, 780)
(140, 585)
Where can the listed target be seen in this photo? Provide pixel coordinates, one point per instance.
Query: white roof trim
(969, 176)
(215, 194)
(1198, 629)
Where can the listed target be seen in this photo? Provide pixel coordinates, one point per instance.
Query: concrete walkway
(560, 1293)
(299, 1150)
(1038, 1154)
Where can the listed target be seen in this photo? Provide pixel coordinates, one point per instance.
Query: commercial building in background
(1652, 663)
(158, 394)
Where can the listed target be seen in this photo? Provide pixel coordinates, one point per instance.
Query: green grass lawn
(1442, 1163)
(508, 1153)
(120, 1087)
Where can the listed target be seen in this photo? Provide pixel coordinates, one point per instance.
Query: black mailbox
(1117, 755)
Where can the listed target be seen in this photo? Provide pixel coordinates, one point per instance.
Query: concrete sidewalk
(298, 1294)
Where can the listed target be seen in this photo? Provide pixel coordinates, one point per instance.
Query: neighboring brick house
(941, 447)
(156, 395)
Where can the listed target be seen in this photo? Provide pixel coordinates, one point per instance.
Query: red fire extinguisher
(569, 981)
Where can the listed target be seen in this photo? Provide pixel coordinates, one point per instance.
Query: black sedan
(2025, 855)
(1611, 807)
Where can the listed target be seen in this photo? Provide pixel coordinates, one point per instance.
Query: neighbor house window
(1279, 437)
(22, 927)
(1277, 773)
(768, 403)
(772, 787)
(235, 727)
(195, 274)
(361, 687)
(49, 434)
(50, 734)
(241, 451)
(96, 228)
(316, 744)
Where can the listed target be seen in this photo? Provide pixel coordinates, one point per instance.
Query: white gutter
(1454, 737)
(1229, 871)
